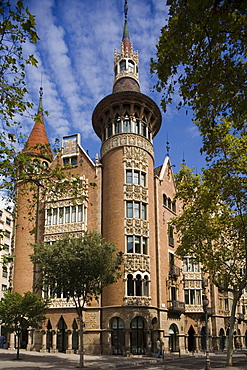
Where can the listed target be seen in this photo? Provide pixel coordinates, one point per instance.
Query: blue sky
(75, 54)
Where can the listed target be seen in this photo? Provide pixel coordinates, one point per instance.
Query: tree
(18, 313)
(79, 267)
(212, 229)
(201, 54)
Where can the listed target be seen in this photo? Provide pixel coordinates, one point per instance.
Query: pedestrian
(1, 341)
(158, 345)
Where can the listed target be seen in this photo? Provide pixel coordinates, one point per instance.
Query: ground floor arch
(138, 336)
(191, 339)
(173, 338)
(222, 339)
(117, 336)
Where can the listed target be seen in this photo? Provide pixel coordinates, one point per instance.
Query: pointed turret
(38, 142)
(126, 62)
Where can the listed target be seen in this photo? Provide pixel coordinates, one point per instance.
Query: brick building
(131, 206)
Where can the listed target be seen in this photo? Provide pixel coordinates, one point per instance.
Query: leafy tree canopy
(18, 312)
(202, 51)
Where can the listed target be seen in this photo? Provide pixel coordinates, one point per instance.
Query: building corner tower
(30, 218)
(126, 121)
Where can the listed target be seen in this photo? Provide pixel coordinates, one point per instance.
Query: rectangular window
(143, 179)
(80, 213)
(61, 212)
(129, 179)
(137, 126)
(173, 293)
(126, 124)
(136, 177)
(7, 233)
(129, 209)
(4, 287)
(73, 214)
(110, 129)
(198, 296)
(144, 211)
(6, 247)
(130, 244)
(144, 246)
(8, 221)
(5, 272)
(185, 265)
(54, 216)
(67, 215)
(136, 209)
(117, 126)
(48, 217)
(137, 244)
(66, 161)
(73, 161)
(192, 296)
(186, 296)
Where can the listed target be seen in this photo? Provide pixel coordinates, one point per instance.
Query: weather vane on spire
(126, 8)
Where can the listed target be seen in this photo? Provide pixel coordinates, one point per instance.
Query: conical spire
(126, 62)
(38, 142)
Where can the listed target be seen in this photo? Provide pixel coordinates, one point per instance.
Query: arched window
(117, 124)
(138, 285)
(109, 128)
(130, 285)
(146, 286)
(169, 203)
(126, 124)
(131, 66)
(122, 65)
(143, 129)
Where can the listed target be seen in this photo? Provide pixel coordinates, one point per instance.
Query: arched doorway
(75, 341)
(117, 336)
(62, 335)
(222, 339)
(227, 338)
(173, 338)
(138, 336)
(203, 338)
(49, 336)
(191, 339)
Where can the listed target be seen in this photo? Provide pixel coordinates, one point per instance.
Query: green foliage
(202, 54)
(18, 312)
(78, 267)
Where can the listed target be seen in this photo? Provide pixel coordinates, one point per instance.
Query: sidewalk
(61, 361)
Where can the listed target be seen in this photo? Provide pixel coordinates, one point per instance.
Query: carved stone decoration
(192, 275)
(193, 308)
(65, 228)
(136, 262)
(55, 237)
(137, 301)
(133, 140)
(136, 192)
(136, 226)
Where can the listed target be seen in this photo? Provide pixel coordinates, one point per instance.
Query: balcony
(174, 271)
(176, 306)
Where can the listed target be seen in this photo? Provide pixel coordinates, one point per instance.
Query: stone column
(54, 342)
(30, 340)
(44, 337)
(11, 341)
(149, 343)
(127, 343)
(69, 350)
(166, 344)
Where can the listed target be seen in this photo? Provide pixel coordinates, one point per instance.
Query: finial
(40, 109)
(167, 146)
(126, 9)
(183, 160)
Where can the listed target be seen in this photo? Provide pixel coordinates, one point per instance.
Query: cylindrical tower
(126, 121)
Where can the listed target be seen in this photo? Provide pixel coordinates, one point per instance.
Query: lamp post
(205, 309)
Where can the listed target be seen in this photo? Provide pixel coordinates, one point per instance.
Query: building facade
(131, 205)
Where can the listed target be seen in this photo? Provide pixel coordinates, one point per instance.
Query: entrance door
(203, 338)
(222, 339)
(117, 336)
(191, 339)
(173, 339)
(62, 335)
(138, 336)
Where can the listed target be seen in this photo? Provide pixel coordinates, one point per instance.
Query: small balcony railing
(176, 306)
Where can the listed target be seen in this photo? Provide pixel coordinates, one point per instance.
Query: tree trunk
(236, 296)
(81, 348)
(18, 345)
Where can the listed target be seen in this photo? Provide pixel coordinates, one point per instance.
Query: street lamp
(205, 309)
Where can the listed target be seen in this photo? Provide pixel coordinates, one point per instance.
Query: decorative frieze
(55, 237)
(65, 228)
(133, 143)
(136, 262)
(193, 308)
(136, 226)
(192, 284)
(192, 275)
(136, 192)
(137, 301)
